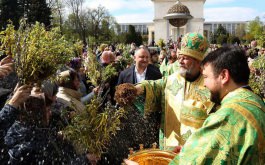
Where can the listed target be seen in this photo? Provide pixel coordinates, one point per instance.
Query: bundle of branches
(38, 53)
(125, 94)
(8, 40)
(257, 76)
(97, 74)
(91, 130)
(161, 43)
(126, 58)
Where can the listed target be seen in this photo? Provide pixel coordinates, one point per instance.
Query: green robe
(172, 68)
(167, 69)
(235, 134)
(163, 67)
(185, 105)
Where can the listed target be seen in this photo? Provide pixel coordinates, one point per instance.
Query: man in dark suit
(142, 70)
(137, 128)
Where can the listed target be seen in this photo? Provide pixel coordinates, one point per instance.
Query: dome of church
(178, 14)
(178, 8)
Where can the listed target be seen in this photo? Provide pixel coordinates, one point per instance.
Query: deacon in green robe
(172, 68)
(169, 64)
(235, 133)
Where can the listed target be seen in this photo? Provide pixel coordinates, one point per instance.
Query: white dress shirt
(140, 77)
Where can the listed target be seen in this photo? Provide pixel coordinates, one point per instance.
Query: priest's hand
(177, 149)
(129, 162)
(139, 89)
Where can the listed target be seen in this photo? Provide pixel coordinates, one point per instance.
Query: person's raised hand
(139, 89)
(6, 69)
(21, 94)
(96, 89)
(6, 60)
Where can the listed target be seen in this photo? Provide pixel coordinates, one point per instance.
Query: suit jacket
(135, 129)
(129, 75)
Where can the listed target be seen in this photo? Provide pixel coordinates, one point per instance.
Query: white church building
(160, 28)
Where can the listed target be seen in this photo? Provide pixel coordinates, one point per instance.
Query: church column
(167, 30)
(188, 27)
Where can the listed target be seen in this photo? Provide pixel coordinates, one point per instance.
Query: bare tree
(95, 18)
(57, 8)
(97, 23)
(76, 8)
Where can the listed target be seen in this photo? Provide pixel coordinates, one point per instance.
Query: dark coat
(129, 76)
(27, 144)
(31, 144)
(8, 115)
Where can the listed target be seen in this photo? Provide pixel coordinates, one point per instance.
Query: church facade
(161, 29)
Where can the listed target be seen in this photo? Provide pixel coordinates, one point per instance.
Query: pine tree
(133, 36)
(38, 10)
(9, 11)
(33, 10)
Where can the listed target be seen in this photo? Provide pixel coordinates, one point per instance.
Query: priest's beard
(187, 73)
(215, 97)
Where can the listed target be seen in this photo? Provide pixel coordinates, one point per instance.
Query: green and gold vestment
(185, 106)
(234, 134)
(168, 69)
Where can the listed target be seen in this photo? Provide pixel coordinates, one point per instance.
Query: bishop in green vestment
(185, 101)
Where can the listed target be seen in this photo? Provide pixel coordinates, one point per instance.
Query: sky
(140, 11)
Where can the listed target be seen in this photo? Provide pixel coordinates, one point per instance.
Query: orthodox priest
(184, 99)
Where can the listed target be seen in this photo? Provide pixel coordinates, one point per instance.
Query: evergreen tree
(9, 10)
(38, 10)
(221, 30)
(232, 39)
(221, 35)
(132, 36)
(33, 10)
(222, 39)
(105, 31)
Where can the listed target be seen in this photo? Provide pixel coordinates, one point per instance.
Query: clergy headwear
(194, 45)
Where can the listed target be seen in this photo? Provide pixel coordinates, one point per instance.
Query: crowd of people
(193, 100)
